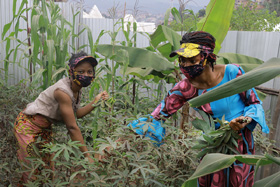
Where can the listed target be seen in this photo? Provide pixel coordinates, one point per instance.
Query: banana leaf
(255, 77)
(246, 62)
(217, 20)
(138, 57)
(216, 161)
(163, 34)
(169, 38)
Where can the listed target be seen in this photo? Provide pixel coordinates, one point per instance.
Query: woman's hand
(239, 123)
(81, 112)
(103, 95)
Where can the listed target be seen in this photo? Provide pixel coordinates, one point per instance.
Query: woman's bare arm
(81, 112)
(65, 106)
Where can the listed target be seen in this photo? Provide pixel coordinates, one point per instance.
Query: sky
(146, 6)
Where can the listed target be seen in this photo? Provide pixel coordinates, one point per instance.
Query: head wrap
(188, 50)
(74, 62)
(195, 43)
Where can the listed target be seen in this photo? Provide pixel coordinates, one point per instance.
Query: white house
(141, 26)
(93, 13)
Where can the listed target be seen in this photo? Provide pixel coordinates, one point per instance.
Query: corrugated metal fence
(262, 45)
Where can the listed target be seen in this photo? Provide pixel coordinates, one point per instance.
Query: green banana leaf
(138, 57)
(169, 38)
(246, 62)
(255, 77)
(216, 161)
(217, 20)
(163, 34)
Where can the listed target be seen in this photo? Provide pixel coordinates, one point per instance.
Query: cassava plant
(224, 140)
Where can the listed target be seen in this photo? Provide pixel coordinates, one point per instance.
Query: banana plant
(246, 62)
(217, 20)
(164, 40)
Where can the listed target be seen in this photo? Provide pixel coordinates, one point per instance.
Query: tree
(273, 5)
(249, 18)
(201, 13)
(189, 21)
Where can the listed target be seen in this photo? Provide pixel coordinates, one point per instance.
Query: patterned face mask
(82, 80)
(194, 70)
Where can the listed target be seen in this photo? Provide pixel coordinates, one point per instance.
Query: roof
(93, 13)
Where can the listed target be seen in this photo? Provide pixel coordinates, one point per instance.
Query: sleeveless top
(46, 105)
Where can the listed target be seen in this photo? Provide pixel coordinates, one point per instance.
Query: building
(93, 13)
(141, 26)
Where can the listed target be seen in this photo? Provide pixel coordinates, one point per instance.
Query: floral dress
(244, 104)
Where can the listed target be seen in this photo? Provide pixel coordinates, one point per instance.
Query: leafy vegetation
(47, 42)
(224, 140)
(249, 18)
(216, 161)
(132, 160)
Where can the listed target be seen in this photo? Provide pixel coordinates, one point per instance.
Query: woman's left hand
(239, 123)
(103, 95)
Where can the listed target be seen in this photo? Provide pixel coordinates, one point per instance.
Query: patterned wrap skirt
(27, 130)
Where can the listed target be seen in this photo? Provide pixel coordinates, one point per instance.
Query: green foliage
(134, 160)
(273, 6)
(217, 20)
(47, 42)
(255, 77)
(224, 140)
(186, 23)
(246, 62)
(216, 161)
(13, 99)
(249, 18)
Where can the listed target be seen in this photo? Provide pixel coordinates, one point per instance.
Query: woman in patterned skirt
(244, 110)
(58, 103)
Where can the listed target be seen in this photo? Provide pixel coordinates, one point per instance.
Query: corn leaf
(255, 77)
(176, 15)
(166, 16)
(6, 28)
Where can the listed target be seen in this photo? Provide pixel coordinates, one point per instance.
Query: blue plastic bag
(154, 130)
